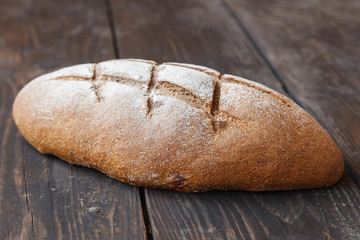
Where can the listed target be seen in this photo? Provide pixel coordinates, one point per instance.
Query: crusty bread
(176, 126)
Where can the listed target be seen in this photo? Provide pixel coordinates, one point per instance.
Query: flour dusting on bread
(184, 77)
(176, 126)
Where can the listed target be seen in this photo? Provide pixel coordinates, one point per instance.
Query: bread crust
(176, 126)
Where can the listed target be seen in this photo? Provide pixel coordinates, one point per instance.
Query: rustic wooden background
(308, 50)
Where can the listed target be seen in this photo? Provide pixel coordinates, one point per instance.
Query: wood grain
(316, 50)
(330, 213)
(166, 32)
(42, 197)
(203, 32)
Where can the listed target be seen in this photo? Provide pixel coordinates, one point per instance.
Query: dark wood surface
(306, 50)
(219, 42)
(42, 197)
(315, 49)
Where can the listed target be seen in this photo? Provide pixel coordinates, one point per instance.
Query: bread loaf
(176, 126)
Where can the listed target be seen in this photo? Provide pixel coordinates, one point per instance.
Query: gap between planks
(110, 18)
(258, 48)
(145, 213)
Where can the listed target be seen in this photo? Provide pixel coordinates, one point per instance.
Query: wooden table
(308, 50)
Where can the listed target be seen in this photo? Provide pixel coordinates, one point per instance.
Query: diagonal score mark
(219, 118)
(123, 80)
(215, 104)
(95, 86)
(104, 78)
(258, 88)
(173, 90)
(70, 78)
(150, 91)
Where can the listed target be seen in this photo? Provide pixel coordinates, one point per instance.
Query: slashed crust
(176, 126)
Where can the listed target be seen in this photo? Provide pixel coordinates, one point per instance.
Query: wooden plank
(202, 32)
(42, 197)
(167, 32)
(329, 213)
(316, 49)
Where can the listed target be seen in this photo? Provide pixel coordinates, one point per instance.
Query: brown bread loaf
(176, 126)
